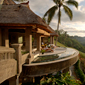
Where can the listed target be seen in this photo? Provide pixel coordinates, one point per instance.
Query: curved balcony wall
(43, 68)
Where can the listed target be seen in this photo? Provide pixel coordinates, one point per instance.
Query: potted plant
(42, 51)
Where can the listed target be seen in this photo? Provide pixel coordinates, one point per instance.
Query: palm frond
(50, 13)
(44, 19)
(56, 1)
(68, 12)
(72, 2)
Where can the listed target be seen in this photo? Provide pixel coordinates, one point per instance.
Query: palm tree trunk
(58, 25)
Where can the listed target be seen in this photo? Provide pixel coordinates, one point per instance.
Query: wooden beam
(13, 27)
(43, 32)
(26, 25)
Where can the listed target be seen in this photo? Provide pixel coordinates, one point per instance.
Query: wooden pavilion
(18, 20)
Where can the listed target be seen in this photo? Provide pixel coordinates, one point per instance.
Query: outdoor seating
(47, 48)
(52, 46)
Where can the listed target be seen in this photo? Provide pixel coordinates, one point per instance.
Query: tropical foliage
(80, 65)
(65, 39)
(58, 79)
(79, 72)
(42, 51)
(58, 4)
(80, 39)
(82, 61)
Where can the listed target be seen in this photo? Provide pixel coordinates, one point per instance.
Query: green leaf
(68, 12)
(56, 1)
(50, 13)
(72, 2)
(49, 80)
(43, 82)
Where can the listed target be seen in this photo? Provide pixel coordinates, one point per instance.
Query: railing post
(18, 57)
(0, 38)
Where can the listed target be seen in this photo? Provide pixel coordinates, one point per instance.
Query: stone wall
(24, 57)
(8, 64)
(8, 69)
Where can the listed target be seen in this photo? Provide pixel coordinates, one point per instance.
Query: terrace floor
(57, 51)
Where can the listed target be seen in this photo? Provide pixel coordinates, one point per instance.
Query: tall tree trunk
(58, 25)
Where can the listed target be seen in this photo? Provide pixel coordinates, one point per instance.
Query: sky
(76, 26)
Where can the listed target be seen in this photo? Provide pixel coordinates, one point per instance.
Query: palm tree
(58, 4)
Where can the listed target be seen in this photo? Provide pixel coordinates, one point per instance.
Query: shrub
(79, 72)
(64, 79)
(42, 51)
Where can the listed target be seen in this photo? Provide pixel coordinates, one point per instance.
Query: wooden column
(6, 36)
(28, 40)
(50, 39)
(38, 42)
(0, 38)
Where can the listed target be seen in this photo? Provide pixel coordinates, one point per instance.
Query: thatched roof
(51, 29)
(53, 32)
(21, 15)
(8, 2)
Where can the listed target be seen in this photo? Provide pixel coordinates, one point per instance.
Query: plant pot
(42, 53)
